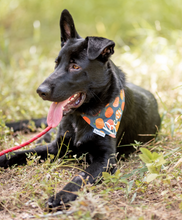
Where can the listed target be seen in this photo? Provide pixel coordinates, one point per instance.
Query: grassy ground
(149, 50)
(125, 195)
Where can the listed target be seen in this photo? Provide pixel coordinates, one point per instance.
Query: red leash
(26, 143)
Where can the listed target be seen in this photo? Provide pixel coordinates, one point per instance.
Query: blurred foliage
(148, 40)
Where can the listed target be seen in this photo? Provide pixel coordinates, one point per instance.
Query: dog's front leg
(68, 193)
(20, 157)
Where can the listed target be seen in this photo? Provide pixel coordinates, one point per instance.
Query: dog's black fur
(83, 66)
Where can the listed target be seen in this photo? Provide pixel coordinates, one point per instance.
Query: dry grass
(25, 189)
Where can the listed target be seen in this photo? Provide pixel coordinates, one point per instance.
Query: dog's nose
(44, 91)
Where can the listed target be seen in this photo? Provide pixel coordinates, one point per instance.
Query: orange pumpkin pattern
(122, 94)
(110, 124)
(117, 125)
(109, 112)
(118, 114)
(107, 121)
(116, 102)
(86, 119)
(99, 123)
(122, 106)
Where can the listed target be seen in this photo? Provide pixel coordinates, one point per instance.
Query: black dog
(83, 87)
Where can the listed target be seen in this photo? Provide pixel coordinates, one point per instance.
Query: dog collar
(108, 119)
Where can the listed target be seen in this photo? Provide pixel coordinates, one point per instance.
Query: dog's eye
(75, 67)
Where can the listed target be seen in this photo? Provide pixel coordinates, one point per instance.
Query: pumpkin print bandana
(108, 119)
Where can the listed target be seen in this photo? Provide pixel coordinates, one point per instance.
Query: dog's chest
(77, 129)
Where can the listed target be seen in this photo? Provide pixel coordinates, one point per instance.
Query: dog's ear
(67, 27)
(99, 47)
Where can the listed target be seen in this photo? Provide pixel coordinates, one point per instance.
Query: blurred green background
(148, 37)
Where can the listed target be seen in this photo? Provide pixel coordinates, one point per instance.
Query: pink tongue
(55, 113)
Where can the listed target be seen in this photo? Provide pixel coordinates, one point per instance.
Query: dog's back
(141, 119)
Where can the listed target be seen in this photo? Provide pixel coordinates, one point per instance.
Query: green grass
(148, 40)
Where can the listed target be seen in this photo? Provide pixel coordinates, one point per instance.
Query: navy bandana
(108, 119)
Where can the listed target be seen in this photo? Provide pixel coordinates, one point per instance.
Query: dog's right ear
(67, 27)
(99, 47)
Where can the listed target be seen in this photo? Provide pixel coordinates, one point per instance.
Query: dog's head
(82, 74)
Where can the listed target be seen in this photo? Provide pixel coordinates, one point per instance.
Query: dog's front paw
(61, 200)
(3, 161)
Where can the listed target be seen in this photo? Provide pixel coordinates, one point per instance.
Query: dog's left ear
(67, 27)
(99, 47)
